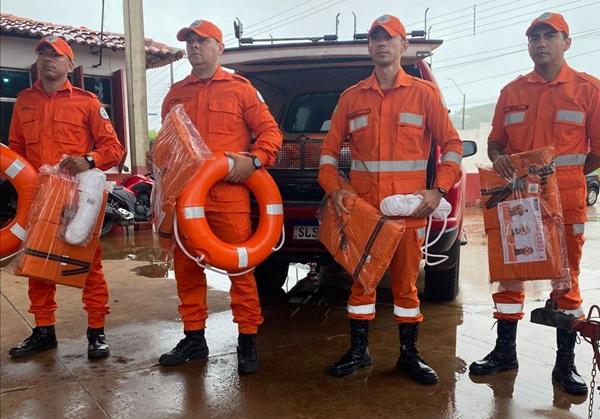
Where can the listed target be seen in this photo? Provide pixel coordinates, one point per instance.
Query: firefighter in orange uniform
(389, 119)
(552, 105)
(227, 111)
(52, 119)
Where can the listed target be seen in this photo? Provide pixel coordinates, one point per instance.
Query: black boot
(42, 339)
(564, 371)
(504, 355)
(357, 356)
(246, 352)
(410, 360)
(97, 345)
(192, 346)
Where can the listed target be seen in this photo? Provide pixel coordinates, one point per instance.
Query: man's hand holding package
(74, 165)
(431, 200)
(337, 197)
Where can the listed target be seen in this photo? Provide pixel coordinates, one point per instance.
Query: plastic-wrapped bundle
(362, 242)
(45, 253)
(91, 186)
(524, 222)
(177, 153)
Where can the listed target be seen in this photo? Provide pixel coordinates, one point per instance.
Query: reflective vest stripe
(193, 212)
(389, 165)
(406, 312)
(578, 228)
(325, 159)
(411, 118)
(570, 116)
(452, 156)
(364, 309)
(570, 160)
(514, 118)
(509, 308)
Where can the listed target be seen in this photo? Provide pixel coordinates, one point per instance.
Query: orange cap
(58, 44)
(391, 24)
(203, 28)
(551, 19)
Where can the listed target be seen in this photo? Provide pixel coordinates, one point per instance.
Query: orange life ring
(197, 235)
(24, 178)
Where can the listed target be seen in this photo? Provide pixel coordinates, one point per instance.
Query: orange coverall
(390, 136)
(565, 113)
(43, 129)
(227, 111)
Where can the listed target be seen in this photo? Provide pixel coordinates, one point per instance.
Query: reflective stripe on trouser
(191, 280)
(95, 297)
(404, 270)
(507, 301)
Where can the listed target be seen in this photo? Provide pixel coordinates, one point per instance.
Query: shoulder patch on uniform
(103, 113)
(259, 96)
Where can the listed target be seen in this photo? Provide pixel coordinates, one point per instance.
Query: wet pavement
(295, 345)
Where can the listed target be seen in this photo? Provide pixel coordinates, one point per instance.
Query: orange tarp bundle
(362, 242)
(523, 220)
(176, 154)
(45, 255)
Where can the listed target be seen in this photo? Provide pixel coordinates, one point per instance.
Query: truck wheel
(271, 275)
(592, 196)
(441, 282)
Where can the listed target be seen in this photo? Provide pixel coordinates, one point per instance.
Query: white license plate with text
(305, 232)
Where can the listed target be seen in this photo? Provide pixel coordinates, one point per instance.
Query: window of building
(11, 83)
(102, 87)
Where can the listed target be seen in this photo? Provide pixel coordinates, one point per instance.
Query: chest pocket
(410, 128)
(569, 127)
(70, 129)
(224, 117)
(30, 126)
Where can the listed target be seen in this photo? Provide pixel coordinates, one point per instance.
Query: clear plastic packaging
(177, 153)
(63, 208)
(524, 222)
(362, 242)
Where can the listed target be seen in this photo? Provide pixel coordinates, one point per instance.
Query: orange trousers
(95, 297)
(191, 280)
(404, 270)
(509, 304)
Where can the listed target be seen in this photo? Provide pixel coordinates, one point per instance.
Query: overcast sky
(480, 64)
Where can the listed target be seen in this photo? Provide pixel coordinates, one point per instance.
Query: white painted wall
(18, 53)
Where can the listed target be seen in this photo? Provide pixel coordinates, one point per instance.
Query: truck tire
(271, 275)
(592, 196)
(441, 282)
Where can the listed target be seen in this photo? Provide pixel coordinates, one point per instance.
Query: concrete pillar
(135, 73)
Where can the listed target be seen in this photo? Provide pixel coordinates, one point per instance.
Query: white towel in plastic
(91, 185)
(404, 205)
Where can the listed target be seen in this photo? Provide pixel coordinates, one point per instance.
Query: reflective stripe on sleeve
(452, 156)
(325, 159)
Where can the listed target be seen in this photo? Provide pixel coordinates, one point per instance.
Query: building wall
(18, 53)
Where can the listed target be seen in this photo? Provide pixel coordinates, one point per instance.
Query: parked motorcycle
(128, 203)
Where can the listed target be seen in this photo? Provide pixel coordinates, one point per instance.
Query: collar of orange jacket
(66, 87)
(402, 79)
(563, 75)
(220, 74)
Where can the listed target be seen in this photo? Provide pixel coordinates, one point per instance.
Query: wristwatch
(442, 191)
(90, 160)
(255, 161)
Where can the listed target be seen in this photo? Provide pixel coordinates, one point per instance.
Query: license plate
(305, 232)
